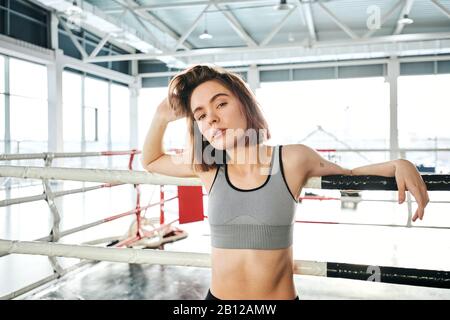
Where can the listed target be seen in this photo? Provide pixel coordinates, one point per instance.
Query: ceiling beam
(339, 23)
(96, 70)
(152, 40)
(384, 18)
(191, 28)
(236, 25)
(294, 46)
(308, 17)
(154, 20)
(406, 10)
(156, 43)
(74, 40)
(105, 38)
(190, 4)
(100, 45)
(307, 65)
(443, 9)
(132, 5)
(25, 50)
(277, 28)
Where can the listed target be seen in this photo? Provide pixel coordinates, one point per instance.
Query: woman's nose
(212, 118)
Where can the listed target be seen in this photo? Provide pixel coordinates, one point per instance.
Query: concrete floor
(425, 248)
(112, 281)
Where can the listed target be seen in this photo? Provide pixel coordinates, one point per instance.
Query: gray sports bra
(258, 218)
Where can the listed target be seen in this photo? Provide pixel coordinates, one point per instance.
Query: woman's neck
(246, 159)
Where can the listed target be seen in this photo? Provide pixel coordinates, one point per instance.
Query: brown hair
(179, 95)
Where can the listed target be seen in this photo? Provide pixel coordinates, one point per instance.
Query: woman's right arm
(153, 157)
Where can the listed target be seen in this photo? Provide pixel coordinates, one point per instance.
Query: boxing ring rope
(335, 182)
(49, 156)
(431, 278)
(8, 202)
(94, 175)
(49, 196)
(111, 178)
(359, 199)
(54, 155)
(401, 150)
(93, 224)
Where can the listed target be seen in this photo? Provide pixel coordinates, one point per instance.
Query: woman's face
(218, 113)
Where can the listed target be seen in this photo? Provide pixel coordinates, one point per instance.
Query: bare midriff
(245, 274)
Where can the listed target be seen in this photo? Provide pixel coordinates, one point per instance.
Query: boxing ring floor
(393, 246)
(120, 281)
(106, 280)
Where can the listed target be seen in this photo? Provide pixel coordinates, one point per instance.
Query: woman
(253, 187)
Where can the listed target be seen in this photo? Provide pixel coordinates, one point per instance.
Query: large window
(2, 104)
(120, 117)
(149, 99)
(28, 106)
(176, 133)
(21, 19)
(2, 74)
(344, 113)
(28, 79)
(96, 114)
(2, 123)
(120, 124)
(99, 121)
(89, 41)
(72, 96)
(423, 109)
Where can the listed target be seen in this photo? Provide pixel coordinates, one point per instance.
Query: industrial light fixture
(74, 16)
(291, 37)
(283, 6)
(405, 20)
(205, 35)
(74, 9)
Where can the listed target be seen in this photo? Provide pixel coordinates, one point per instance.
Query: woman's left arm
(406, 174)
(407, 177)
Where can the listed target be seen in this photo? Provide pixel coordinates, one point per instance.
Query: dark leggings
(210, 296)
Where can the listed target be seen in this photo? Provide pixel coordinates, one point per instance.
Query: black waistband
(210, 296)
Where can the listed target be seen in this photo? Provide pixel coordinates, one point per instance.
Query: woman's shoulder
(295, 153)
(299, 158)
(295, 166)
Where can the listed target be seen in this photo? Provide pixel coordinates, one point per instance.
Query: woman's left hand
(409, 178)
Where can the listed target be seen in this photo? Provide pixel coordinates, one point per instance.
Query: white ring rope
(95, 175)
(134, 255)
(54, 155)
(108, 176)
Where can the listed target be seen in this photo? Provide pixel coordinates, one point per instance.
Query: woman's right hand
(167, 112)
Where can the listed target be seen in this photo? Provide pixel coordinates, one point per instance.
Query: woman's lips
(219, 134)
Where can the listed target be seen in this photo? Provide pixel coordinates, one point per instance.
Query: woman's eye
(219, 105)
